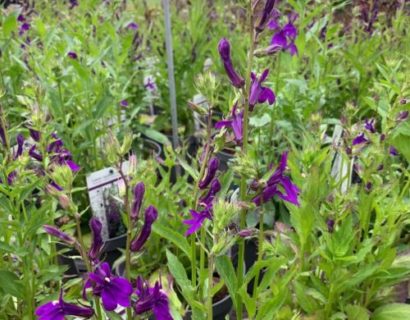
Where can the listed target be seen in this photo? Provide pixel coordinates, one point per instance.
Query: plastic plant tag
(105, 190)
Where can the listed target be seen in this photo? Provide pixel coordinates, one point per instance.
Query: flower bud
(139, 192)
(51, 230)
(151, 214)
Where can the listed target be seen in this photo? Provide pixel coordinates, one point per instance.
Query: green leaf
(393, 311)
(9, 25)
(227, 272)
(10, 284)
(173, 236)
(355, 312)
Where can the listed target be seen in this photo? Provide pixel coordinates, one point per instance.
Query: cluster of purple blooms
(113, 290)
(24, 25)
(369, 126)
(211, 186)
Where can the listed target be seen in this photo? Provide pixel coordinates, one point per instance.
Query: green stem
(260, 253)
(210, 286)
(243, 187)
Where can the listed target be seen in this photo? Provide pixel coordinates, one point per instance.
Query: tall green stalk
(243, 186)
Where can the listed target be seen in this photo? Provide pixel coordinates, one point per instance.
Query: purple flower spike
(393, 151)
(72, 55)
(152, 299)
(267, 11)
(55, 232)
(139, 191)
(97, 241)
(259, 93)
(58, 310)
(224, 48)
(369, 125)
(132, 26)
(211, 171)
(359, 139)
(124, 103)
(113, 290)
(235, 122)
(280, 185)
(196, 221)
(206, 201)
(151, 214)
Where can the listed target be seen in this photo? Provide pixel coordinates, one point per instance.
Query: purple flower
(330, 225)
(57, 310)
(72, 55)
(113, 290)
(267, 11)
(139, 192)
(11, 177)
(369, 125)
(402, 116)
(393, 151)
(280, 185)
(56, 232)
(152, 299)
(206, 200)
(35, 134)
(151, 214)
(73, 4)
(132, 26)
(124, 103)
(235, 122)
(34, 154)
(21, 18)
(224, 49)
(20, 145)
(197, 220)
(359, 139)
(24, 28)
(3, 134)
(284, 38)
(97, 241)
(210, 174)
(149, 84)
(259, 93)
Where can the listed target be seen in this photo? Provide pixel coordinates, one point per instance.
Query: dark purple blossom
(113, 290)
(330, 225)
(224, 49)
(11, 177)
(210, 173)
(97, 241)
(359, 139)
(402, 116)
(284, 38)
(259, 93)
(368, 187)
(151, 214)
(20, 146)
(369, 125)
(393, 151)
(152, 299)
(73, 4)
(56, 232)
(72, 55)
(124, 103)
(266, 14)
(132, 26)
(196, 221)
(206, 200)
(139, 192)
(149, 84)
(58, 310)
(21, 18)
(3, 135)
(34, 154)
(280, 185)
(24, 27)
(35, 134)
(235, 122)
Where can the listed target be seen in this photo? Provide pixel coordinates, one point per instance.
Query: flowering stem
(246, 93)
(260, 255)
(129, 229)
(210, 285)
